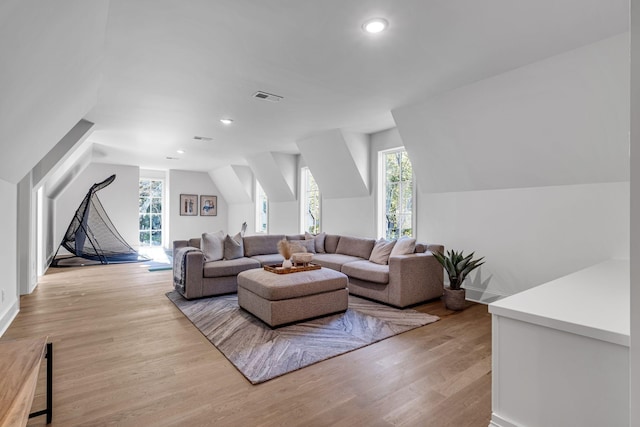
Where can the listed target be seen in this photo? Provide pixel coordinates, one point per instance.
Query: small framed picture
(208, 205)
(189, 204)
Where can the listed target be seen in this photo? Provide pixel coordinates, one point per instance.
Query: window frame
(305, 172)
(161, 214)
(382, 186)
(258, 211)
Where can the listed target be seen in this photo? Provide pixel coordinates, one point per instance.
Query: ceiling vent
(267, 96)
(172, 158)
(202, 138)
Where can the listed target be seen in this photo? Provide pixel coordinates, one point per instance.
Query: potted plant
(457, 266)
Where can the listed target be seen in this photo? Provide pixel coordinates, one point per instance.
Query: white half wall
(9, 302)
(560, 121)
(186, 227)
(120, 199)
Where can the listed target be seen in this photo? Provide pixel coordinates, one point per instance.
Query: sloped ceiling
(235, 182)
(173, 68)
(338, 161)
(540, 125)
(49, 78)
(61, 156)
(276, 173)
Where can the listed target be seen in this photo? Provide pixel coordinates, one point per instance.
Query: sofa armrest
(414, 278)
(194, 268)
(177, 244)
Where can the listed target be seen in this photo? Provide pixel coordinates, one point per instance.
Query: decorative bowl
(302, 257)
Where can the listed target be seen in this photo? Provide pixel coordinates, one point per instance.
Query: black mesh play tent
(92, 236)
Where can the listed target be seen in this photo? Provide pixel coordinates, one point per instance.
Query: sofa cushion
(213, 246)
(303, 246)
(381, 251)
(233, 247)
(269, 259)
(261, 244)
(228, 267)
(355, 246)
(334, 261)
(331, 243)
(318, 239)
(367, 270)
(404, 246)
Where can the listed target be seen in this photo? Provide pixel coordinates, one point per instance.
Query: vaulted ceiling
(152, 74)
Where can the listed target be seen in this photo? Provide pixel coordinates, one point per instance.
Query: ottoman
(278, 299)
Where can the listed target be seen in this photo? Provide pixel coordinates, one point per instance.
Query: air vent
(202, 138)
(267, 96)
(172, 158)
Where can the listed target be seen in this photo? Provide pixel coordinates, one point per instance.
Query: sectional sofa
(402, 281)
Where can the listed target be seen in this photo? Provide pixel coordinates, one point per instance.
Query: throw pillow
(381, 251)
(303, 246)
(404, 246)
(233, 247)
(213, 246)
(318, 239)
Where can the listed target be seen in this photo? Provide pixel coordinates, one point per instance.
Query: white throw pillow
(212, 246)
(233, 247)
(404, 246)
(318, 239)
(381, 251)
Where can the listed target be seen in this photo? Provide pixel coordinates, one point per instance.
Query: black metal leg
(49, 411)
(49, 382)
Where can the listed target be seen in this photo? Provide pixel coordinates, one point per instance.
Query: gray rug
(261, 353)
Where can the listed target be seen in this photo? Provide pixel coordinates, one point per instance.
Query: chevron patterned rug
(261, 353)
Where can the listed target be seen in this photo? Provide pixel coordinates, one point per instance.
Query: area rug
(261, 353)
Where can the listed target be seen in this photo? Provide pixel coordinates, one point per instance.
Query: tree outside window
(310, 203)
(150, 212)
(397, 194)
(262, 209)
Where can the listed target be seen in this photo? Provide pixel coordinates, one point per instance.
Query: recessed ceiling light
(180, 151)
(375, 25)
(226, 121)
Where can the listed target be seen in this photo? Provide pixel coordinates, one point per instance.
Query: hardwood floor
(125, 355)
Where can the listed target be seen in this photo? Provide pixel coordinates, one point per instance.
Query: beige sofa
(405, 280)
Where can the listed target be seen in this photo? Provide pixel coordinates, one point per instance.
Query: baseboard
(482, 296)
(498, 421)
(8, 317)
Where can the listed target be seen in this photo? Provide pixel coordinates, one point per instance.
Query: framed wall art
(189, 204)
(208, 205)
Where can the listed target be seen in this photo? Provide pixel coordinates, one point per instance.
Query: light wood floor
(125, 356)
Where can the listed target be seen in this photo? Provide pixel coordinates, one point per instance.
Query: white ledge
(593, 302)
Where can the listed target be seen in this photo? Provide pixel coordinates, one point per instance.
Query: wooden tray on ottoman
(277, 268)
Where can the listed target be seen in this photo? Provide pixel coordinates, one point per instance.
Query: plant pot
(454, 299)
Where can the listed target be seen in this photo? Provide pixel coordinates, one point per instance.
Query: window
(310, 212)
(150, 212)
(395, 194)
(262, 209)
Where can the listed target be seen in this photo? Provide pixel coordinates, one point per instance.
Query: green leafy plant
(457, 266)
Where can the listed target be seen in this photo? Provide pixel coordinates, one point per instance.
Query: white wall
(528, 234)
(239, 213)
(284, 218)
(8, 260)
(634, 363)
(120, 199)
(186, 227)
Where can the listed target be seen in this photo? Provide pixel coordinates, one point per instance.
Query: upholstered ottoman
(278, 299)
